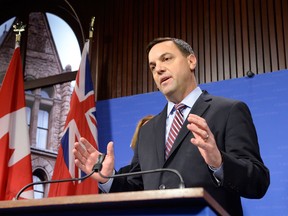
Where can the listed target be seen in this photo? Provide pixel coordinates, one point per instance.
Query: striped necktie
(175, 127)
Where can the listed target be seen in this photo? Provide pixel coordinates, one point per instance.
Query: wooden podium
(188, 201)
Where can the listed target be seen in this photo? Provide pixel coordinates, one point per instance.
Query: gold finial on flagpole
(91, 29)
(19, 27)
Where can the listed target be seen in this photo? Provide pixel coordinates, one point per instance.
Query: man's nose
(159, 68)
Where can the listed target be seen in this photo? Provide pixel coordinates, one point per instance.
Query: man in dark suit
(216, 148)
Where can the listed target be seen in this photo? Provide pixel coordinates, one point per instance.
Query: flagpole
(91, 32)
(90, 38)
(91, 29)
(19, 27)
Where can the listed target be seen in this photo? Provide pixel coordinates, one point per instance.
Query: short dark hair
(183, 46)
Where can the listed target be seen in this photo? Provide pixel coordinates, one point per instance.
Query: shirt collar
(189, 100)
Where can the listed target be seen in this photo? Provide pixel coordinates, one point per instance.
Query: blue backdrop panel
(267, 97)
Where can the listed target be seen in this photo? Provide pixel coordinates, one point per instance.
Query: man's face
(173, 73)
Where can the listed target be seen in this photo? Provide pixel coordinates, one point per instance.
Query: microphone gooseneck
(97, 168)
(181, 184)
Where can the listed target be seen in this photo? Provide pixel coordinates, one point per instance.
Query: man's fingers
(198, 132)
(199, 121)
(79, 154)
(110, 149)
(78, 163)
(88, 146)
(78, 150)
(199, 126)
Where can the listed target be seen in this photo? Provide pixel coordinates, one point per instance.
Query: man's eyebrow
(161, 56)
(151, 63)
(166, 53)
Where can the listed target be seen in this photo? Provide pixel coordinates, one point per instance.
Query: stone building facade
(47, 108)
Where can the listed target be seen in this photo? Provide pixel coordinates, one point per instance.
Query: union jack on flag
(81, 122)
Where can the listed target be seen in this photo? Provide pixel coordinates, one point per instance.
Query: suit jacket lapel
(199, 108)
(160, 136)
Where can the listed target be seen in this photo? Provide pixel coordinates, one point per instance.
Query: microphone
(97, 168)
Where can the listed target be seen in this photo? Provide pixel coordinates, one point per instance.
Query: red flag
(81, 122)
(15, 156)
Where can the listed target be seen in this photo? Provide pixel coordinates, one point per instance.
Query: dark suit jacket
(231, 123)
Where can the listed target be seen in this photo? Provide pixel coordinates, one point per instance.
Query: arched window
(39, 175)
(51, 46)
(38, 189)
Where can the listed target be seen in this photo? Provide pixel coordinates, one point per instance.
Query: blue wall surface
(265, 94)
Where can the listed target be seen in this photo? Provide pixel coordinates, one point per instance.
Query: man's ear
(192, 61)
